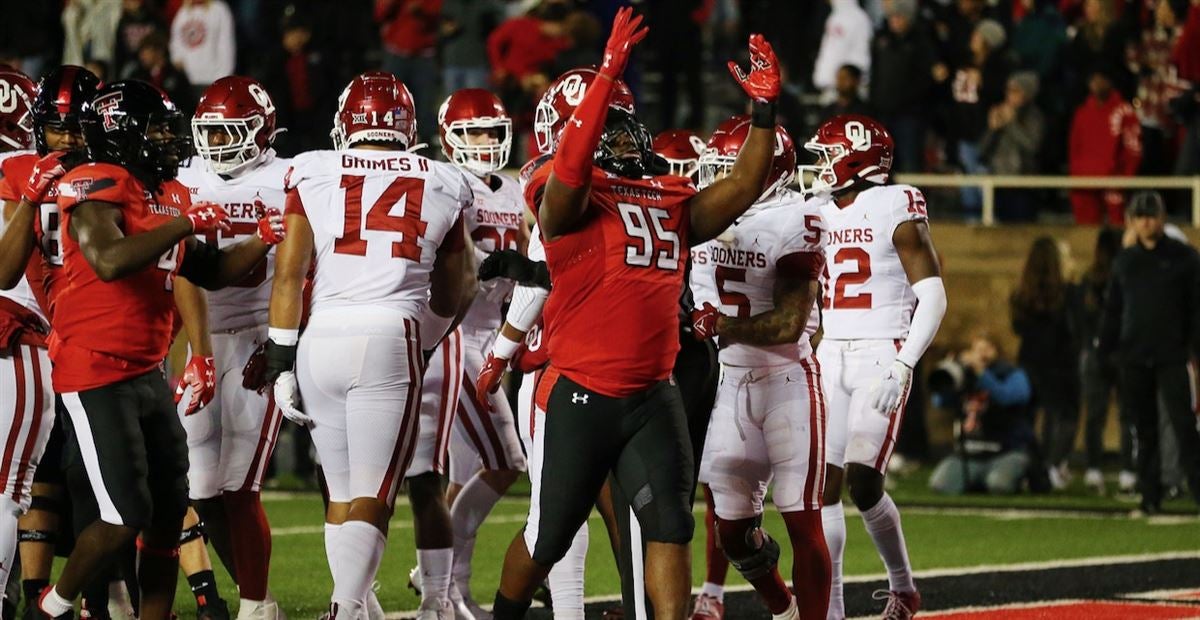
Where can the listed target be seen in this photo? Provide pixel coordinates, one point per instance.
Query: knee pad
(193, 533)
(37, 536)
(761, 561)
(672, 524)
(159, 552)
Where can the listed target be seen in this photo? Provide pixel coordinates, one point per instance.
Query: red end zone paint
(1074, 610)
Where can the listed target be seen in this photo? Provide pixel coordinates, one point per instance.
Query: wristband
(285, 337)
(762, 114)
(504, 347)
(280, 359)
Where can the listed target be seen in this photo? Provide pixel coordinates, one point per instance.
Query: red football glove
(48, 170)
(271, 227)
(489, 377)
(704, 321)
(200, 376)
(254, 373)
(763, 82)
(626, 33)
(207, 217)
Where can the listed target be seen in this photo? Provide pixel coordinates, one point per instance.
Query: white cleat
(792, 612)
(120, 606)
(260, 610)
(1094, 480)
(465, 608)
(414, 579)
(436, 610)
(373, 607)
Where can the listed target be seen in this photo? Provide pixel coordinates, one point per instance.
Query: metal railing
(989, 184)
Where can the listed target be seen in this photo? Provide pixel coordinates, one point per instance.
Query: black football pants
(1143, 387)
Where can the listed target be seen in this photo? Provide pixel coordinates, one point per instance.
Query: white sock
(435, 567)
(566, 578)
(331, 532)
(55, 605)
(360, 549)
(714, 590)
(470, 508)
(9, 513)
(833, 521)
(883, 524)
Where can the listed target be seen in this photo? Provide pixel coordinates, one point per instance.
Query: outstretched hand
(626, 33)
(763, 82)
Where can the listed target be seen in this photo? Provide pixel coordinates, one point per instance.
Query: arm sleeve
(931, 307)
(577, 147)
(526, 307)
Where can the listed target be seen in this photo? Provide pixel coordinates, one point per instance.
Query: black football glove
(512, 265)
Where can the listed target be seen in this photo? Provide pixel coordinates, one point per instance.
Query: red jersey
(44, 271)
(106, 332)
(614, 310)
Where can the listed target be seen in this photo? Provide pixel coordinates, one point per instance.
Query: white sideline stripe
(1155, 595)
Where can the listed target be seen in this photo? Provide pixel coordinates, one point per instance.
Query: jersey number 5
(380, 219)
(651, 242)
(860, 275)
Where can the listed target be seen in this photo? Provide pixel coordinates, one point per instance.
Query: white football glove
(287, 398)
(888, 388)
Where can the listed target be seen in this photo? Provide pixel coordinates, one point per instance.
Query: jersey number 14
(380, 219)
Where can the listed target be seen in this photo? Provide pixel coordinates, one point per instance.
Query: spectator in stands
(409, 30)
(139, 18)
(300, 81)
(1049, 350)
(978, 83)
(1038, 38)
(522, 51)
(1099, 41)
(1012, 141)
(203, 42)
(1098, 373)
(1186, 56)
(155, 66)
(466, 25)
(901, 55)
(1105, 141)
(955, 29)
(1158, 82)
(675, 38)
(1152, 322)
(89, 29)
(996, 441)
(848, 87)
(847, 41)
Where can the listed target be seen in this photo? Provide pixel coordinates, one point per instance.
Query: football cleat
(900, 605)
(260, 610)
(1094, 480)
(374, 608)
(68, 615)
(215, 610)
(708, 608)
(436, 610)
(465, 608)
(791, 613)
(414, 580)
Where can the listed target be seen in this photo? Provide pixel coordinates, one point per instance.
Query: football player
(613, 239)
(485, 452)
(681, 149)
(127, 230)
(769, 420)
(883, 302)
(230, 445)
(393, 273)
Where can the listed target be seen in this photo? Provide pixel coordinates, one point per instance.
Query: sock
(470, 508)
(770, 586)
(811, 573)
(435, 573)
(204, 587)
(360, 549)
(250, 542)
(508, 609)
(32, 588)
(55, 605)
(331, 533)
(566, 579)
(717, 565)
(833, 523)
(883, 524)
(714, 590)
(9, 511)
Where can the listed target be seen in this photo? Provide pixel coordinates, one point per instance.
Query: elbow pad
(931, 307)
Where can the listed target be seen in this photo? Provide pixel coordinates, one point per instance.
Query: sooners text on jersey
(494, 221)
(866, 291)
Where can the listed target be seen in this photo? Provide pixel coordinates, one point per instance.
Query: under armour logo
(577, 398)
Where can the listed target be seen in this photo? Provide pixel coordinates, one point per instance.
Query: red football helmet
(681, 148)
(375, 107)
(240, 109)
(560, 100)
(17, 92)
(849, 148)
(475, 108)
(726, 142)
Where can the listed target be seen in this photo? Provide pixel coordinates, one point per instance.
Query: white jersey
(742, 265)
(22, 293)
(866, 291)
(378, 218)
(243, 304)
(494, 220)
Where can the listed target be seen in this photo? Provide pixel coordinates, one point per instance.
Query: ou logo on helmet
(572, 90)
(859, 137)
(10, 96)
(261, 97)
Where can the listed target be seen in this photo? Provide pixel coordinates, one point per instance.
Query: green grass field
(941, 532)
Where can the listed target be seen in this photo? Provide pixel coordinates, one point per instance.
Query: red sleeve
(100, 182)
(577, 147)
(14, 172)
(293, 205)
(801, 265)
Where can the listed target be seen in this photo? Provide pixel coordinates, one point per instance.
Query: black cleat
(213, 610)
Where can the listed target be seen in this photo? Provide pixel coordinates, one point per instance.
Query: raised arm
(566, 198)
(718, 205)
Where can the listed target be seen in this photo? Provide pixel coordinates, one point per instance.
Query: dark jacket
(901, 71)
(1152, 315)
(1049, 349)
(973, 95)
